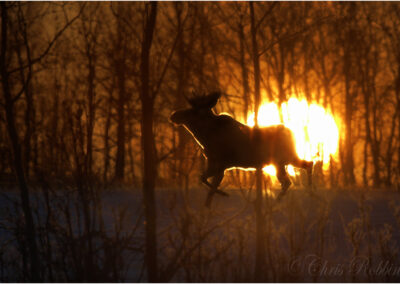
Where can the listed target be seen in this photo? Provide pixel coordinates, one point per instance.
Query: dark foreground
(325, 236)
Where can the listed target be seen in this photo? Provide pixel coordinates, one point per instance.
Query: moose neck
(201, 126)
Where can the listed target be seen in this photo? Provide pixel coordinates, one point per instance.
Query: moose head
(201, 106)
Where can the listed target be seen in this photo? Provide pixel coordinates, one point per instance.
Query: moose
(227, 143)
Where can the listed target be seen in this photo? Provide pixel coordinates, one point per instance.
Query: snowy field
(325, 236)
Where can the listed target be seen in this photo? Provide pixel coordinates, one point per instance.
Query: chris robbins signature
(317, 266)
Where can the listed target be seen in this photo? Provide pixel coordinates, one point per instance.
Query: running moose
(227, 143)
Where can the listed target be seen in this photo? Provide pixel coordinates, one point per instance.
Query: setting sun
(315, 129)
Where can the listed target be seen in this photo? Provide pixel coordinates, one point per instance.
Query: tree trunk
(349, 97)
(91, 116)
(390, 150)
(398, 118)
(121, 101)
(350, 94)
(368, 135)
(179, 103)
(245, 73)
(260, 220)
(148, 145)
(349, 159)
(106, 138)
(281, 77)
(120, 159)
(375, 145)
(29, 124)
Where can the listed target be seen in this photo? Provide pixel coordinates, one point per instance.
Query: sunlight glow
(270, 169)
(314, 128)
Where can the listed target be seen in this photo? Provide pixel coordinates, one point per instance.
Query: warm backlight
(315, 130)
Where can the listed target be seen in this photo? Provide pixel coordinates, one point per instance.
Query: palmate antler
(203, 100)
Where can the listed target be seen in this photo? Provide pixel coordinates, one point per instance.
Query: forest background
(86, 94)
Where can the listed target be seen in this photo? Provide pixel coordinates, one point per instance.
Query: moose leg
(309, 173)
(214, 188)
(283, 179)
(217, 178)
(204, 179)
(211, 171)
(308, 166)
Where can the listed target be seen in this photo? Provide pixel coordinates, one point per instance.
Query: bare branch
(180, 255)
(171, 53)
(292, 35)
(50, 45)
(28, 56)
(266, 14)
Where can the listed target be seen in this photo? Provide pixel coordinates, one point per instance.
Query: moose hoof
(210, 196)
(223, 193)
(281, 194)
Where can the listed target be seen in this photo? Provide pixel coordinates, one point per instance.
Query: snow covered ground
(329, 235)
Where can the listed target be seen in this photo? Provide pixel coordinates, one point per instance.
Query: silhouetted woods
(87, 90)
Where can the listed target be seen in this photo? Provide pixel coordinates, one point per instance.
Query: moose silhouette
(227, 143)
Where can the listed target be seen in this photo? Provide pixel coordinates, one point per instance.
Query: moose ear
(193, 101)
(204, 101)
(212, 99)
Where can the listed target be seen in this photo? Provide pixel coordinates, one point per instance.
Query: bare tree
(9, 103)
(120, 55)
(260, 219)
(150, 163)
(10, 98)
(348, 38)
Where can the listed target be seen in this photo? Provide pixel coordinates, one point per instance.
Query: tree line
(76, 84)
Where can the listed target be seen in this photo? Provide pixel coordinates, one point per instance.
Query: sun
(315, 129)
